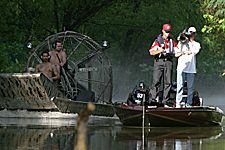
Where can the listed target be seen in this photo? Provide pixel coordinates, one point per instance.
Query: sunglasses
(167, 31)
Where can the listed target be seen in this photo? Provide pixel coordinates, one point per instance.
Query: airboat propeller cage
(89, 71)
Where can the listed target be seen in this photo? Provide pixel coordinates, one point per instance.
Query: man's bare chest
(45, 68)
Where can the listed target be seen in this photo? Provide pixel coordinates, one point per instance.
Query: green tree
(214, 36)
(34, 20)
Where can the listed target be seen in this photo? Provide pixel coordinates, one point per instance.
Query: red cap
(167, 27)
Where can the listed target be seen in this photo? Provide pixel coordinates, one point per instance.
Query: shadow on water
(106, 133)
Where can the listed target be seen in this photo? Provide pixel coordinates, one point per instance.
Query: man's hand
(178, 54)
(188, 52)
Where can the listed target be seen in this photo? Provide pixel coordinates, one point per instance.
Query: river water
(105, 134)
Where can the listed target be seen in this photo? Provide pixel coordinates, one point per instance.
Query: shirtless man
(47, 68)
(58, 56)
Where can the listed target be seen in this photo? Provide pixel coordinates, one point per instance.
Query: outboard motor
(196, 100)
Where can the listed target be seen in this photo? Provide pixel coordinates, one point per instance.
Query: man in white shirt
(186, 67)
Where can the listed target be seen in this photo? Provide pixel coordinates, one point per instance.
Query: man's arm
(155, 49)
(192, 51)
(155, 52)
(178, 51)
(37, 70)
(64, 58)
(196, 48)
(55, 73)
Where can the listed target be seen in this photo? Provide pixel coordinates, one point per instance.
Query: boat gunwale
(172, 109)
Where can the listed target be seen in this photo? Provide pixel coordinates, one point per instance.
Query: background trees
(213, 31)
(130, 27)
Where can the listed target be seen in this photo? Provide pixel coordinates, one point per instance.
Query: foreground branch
(82, 121)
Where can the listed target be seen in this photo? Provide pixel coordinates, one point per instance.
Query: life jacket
(138, 94)
(168, 54)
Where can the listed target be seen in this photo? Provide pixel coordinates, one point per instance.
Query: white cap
(192, 29)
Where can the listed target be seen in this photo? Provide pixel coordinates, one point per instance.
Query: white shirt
(187, 63)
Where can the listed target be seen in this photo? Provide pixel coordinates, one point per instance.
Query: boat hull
(27, 92)
(170, 117)
(70, 106)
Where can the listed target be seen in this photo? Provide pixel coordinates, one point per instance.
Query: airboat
(87, 79)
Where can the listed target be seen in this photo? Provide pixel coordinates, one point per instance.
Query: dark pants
(162, 69)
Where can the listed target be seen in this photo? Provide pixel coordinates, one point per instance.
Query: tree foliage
(130, 26)
(214, 36)
(34, 20)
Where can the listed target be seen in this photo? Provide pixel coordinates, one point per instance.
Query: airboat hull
(27, 92)
(170, 117)
(34, 92)
(70, 106)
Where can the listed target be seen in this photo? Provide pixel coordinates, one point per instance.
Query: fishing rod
(143, 123)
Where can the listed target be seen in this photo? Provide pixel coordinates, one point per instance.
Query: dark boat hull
(170, 117)
(70, 106)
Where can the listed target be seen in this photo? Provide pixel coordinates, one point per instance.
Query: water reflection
(105, 133)
(171, 138)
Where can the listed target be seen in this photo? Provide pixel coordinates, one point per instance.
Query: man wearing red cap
(163, 51)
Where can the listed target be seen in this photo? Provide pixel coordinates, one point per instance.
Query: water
(104, 134)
